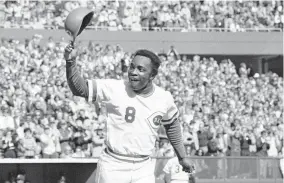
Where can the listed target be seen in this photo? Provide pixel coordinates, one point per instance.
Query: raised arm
(77, 84)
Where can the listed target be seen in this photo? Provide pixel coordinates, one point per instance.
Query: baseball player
(136, 107)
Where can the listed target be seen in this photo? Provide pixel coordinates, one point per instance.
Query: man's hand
(187, 165)
(69, 52)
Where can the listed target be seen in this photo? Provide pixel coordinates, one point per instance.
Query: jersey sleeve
(172, 111)
(101, 90)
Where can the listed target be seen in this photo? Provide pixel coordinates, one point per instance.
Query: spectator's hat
(20, 177)
(256, 75)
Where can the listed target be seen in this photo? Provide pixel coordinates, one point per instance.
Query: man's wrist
(181, 159)
(181, 156)
(71, 59)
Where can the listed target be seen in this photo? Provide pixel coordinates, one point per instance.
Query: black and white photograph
(141, 91)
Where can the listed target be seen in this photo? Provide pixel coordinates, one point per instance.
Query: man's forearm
(76, 83)
(174, 134)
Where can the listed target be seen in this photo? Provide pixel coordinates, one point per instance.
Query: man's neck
(146, 91)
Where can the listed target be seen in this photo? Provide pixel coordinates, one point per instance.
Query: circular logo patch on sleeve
(155, 119)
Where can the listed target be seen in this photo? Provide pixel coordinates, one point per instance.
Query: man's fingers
(189, 170)
(72, 43)
(69, 48)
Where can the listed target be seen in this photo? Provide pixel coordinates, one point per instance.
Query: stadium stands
(183, 16)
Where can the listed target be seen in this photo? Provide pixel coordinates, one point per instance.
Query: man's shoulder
(161, 91)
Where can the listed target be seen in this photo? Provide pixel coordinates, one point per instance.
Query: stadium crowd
(20, 176)
(224, 111)
(186, 16)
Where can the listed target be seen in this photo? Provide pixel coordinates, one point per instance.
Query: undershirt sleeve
(174, 134)
(77, 83)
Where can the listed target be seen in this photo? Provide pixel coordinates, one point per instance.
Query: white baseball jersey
(175, 170)
(133, 120)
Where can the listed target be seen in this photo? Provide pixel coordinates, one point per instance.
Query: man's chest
(137, 109)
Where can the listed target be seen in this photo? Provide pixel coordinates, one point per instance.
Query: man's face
(28, 134)
(47, 131)
(38, 104)
(264, 134)
(64, 125)
(59, 115)
(37, 114)
(82, 113)
(29, 118)
(100, 133)
(140, 72)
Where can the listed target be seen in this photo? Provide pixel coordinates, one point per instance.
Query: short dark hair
(27, 130)
(151, 55)
(263, 132)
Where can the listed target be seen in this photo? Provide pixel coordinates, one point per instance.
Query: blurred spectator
(29, 144)
(6, 116)
(262, 149)
(20, 179)
(18, 176)
(164, 146)
(203, 137)
(1, 144)
(66, 152)
(78, 153)
(65, 134)
(20, 150)
(235, 150)
(9, 145)
(222, 141)
(213, 150)
(49, 143)
(190, 137)
(245, 141)
(98, 142)
(62, 178)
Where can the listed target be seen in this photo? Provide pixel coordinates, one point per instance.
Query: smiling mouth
(133, 79)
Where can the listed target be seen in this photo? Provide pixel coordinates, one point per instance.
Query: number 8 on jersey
(130, 114)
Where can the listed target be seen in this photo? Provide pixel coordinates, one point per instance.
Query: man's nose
(134, 72)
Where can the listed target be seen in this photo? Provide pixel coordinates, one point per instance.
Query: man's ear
(153, 74)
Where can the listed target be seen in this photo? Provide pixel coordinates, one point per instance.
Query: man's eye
(141, 69)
